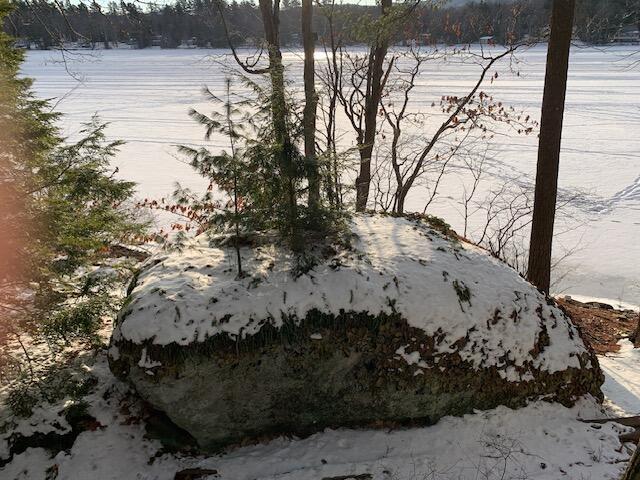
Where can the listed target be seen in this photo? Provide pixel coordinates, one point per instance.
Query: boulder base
(350, 371)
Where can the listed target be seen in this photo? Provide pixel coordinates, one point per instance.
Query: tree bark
(633, 468)
(309, 114)
(375, 75)
(270, 20)
(270, 12)
(636, 334)
(546, 190)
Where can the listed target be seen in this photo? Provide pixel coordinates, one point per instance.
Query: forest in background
(198, 23)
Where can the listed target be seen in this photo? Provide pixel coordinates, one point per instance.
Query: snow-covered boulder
(403, 325)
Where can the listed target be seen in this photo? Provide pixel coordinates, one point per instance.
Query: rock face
(404, 326)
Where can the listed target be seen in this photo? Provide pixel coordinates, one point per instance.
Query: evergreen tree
(61, 211)
(257, 183)
(253, 171)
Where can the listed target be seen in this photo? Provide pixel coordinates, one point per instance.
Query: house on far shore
(157, 41)
(22, 43)
(629, 35)
(188, 43)
(421, 39)
(487, 40)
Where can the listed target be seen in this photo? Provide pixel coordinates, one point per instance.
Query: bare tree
(461, 111)
(469, 122)
(507, 214)
(309, 114)
(546, 191)
(477, 169)
(330, 75)
(362, 81)
(373, 87)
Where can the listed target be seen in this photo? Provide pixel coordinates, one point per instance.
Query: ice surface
(147, 93)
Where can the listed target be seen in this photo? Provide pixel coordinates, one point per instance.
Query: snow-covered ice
(147, 93)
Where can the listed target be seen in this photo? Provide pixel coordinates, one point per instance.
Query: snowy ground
(541, 441)
(147, 93)
(622, 384)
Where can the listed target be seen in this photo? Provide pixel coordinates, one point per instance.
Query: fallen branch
(626, 421)
(633, 437)
(195, 473)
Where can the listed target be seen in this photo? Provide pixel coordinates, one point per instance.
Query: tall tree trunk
(270, 20)
(309, 114)
(270, 12)
(555, 85)
(401, 196)
(375, 74)
(331, 114)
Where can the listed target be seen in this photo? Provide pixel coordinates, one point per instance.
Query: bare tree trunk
(402, 195)
(270, 19)
(633, 469)
(270, 11)
(309, 114)
(331, 126)
(375, 75)
(636, 334)
(555, 85)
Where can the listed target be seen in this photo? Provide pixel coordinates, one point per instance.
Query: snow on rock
(446, 288)
(412, 358)
(146, 362)
(400, 324)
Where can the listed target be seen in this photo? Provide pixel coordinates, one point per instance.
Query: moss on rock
(331, 371)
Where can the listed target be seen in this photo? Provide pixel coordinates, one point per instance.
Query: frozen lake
(146, 94)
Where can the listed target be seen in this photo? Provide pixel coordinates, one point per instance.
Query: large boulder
(402, 325)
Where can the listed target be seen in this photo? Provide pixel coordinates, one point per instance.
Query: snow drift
(404, 323)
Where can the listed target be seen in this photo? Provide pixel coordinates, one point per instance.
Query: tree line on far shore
(198, 23)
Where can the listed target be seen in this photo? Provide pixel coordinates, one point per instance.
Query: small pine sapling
(232, 137)
(235, 173)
